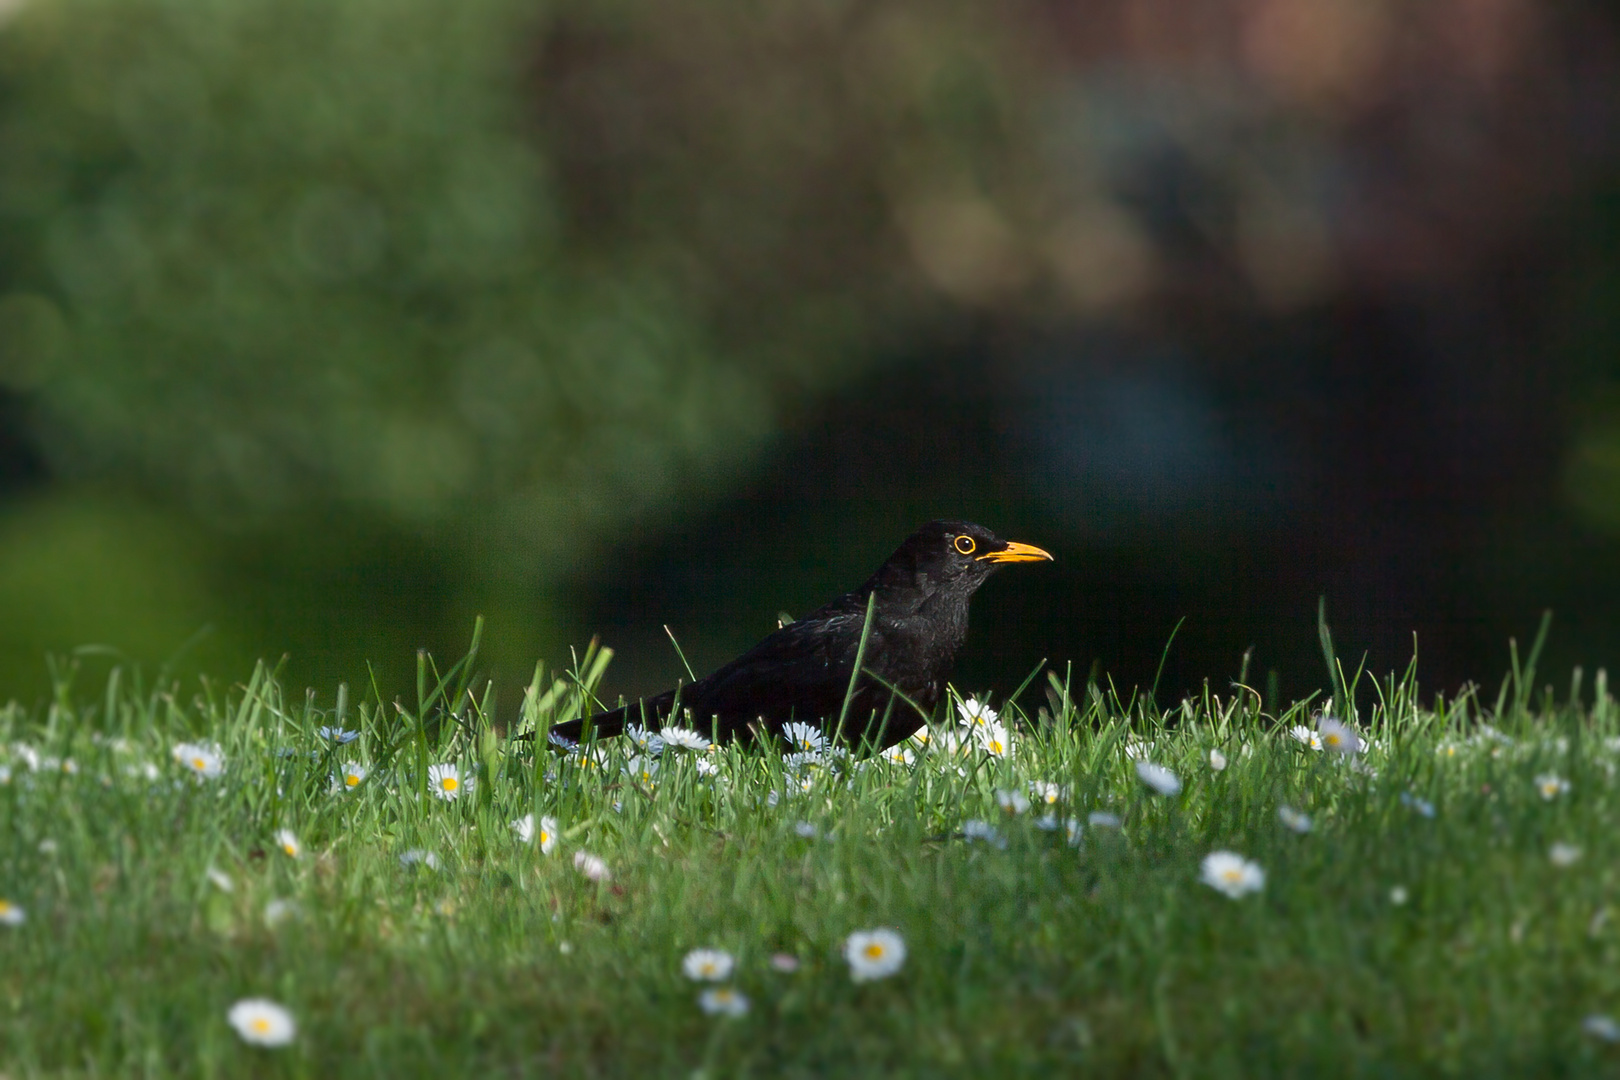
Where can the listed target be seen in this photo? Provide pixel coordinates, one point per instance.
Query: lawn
(1426, 892)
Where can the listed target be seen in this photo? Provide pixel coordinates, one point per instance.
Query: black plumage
(919, 621)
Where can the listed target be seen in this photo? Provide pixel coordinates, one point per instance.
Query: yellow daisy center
(449, 783)
(290, 849)
(874, 951)
(5, 907)
(351, 779)
(199, 764)
(1232, 875)
(260, 1025)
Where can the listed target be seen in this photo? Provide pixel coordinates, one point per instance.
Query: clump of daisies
(874, 954)
(1232, 874)
(262, 1022)
(983, 831)
(982, 726)
(1303, 734)
(1011, 801)
(204, 760)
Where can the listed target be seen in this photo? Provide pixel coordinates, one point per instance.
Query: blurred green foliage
(278, 268)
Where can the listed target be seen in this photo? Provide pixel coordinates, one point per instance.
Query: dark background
(327, 326)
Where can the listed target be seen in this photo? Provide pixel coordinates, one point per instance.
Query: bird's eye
(965, 544)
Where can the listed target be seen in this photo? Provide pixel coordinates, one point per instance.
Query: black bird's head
(956, 555)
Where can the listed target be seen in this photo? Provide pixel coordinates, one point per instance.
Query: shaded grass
(1106, 957)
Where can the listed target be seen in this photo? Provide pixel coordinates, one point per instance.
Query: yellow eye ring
(964, 544)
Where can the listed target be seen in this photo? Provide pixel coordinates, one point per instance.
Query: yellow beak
(1016, 552)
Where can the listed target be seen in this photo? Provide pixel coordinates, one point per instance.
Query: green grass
(1109, 957)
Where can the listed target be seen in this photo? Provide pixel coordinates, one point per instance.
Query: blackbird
(919, 620)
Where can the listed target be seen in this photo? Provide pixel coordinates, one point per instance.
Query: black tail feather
(606, 725)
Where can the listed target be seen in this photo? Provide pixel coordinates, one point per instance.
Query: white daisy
(11, 914)
(975, 713)
(592, 866)
(899, 754)
(262, 1022)
(1047, 793)
(1011, 802)
(1137, 750)
(1398, 895)
(1232, 874)
(1306, 735)
(707, 767)
(222, 881)
(805, 829)
(1551, 785)
(1050, 823)
(279, 911)
(993, 739)
(561, 741)
(983, 830)
(338, 735)
(648, 742)
(1158, 778)
(1601, 1027)
(786, 963)
(641, 768)
(723, 1001)
(1102, 819)
(1297, 820)
(445, 780)
(287, 841)
(685, 738)
(1217, 760)
(352, 774)
(874, 954)
(419, 857)
(1337, 736)
(1414, 802)
(708, 965)
(203, 759)
(1563, 855)
(804, 738)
